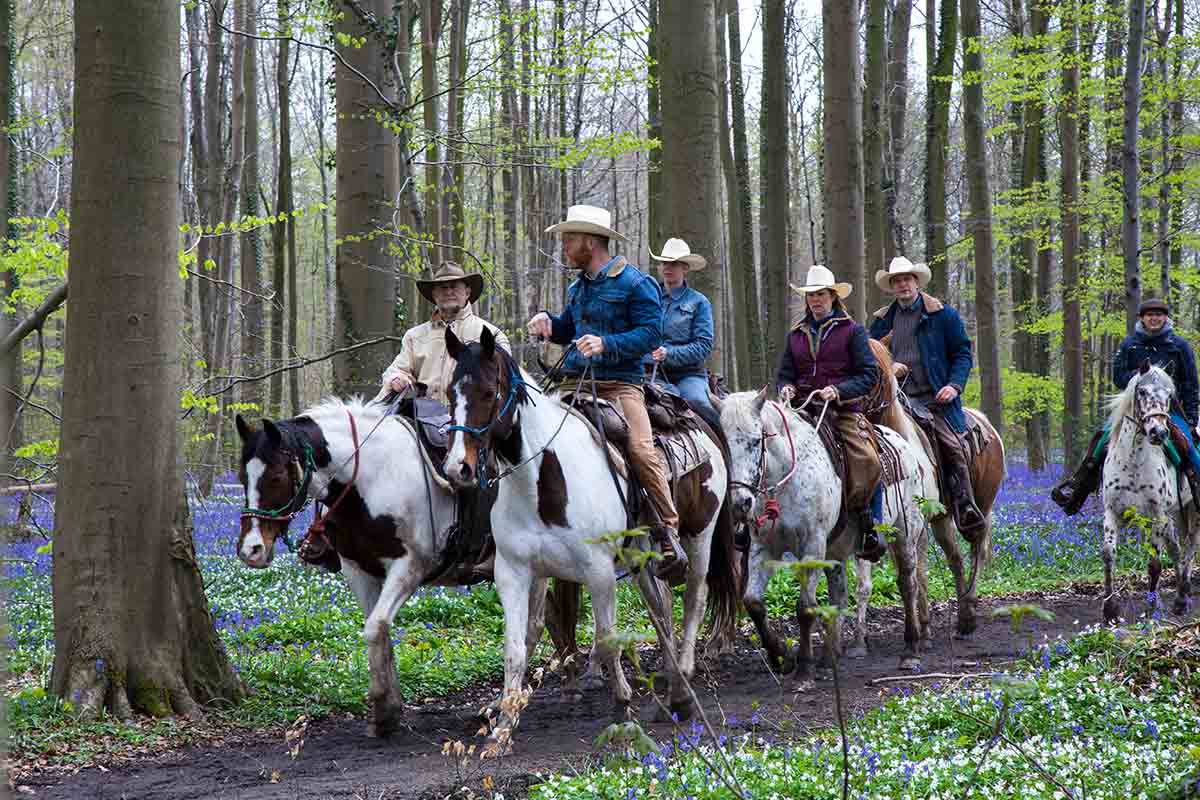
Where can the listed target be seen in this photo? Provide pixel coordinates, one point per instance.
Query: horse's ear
(273, 434)
(488, 342)
(760, 399)
(1144, 367)
(454, 345)
(243, 428)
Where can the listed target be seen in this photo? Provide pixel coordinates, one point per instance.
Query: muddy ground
(337, 760)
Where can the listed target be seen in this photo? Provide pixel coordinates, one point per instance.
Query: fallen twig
(925, 676)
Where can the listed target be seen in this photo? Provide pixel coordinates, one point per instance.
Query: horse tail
(562, 615)
(726, 577)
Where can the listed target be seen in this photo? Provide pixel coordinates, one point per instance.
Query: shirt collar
(916, 305)
(463, 313)
(679, 291)
(603, 273)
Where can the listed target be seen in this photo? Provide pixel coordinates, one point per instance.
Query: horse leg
(806, 614)
(862, 597)
(695, 598)
(537, 613)
(1190, 540)
(1112, 530)
(660, 602)
(947, 537)
(757, 578)
(514, 585)
(604, 612)
(922, 549)
(404, 576)
(1155, 572)
(906, 573)
(831, 647)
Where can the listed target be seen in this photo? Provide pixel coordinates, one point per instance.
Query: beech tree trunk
(131, 623)
(10, 360)
(773, 137)
(1033, 175)
(251, 240)
(874, 131)
(937, 140)
(366, 192)
(1072, 323)
(1131, 230)
(897, 105)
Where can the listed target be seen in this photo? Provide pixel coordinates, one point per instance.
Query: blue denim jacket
(622, 306)
(687, 332)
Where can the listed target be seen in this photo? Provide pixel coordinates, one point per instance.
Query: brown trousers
(863, 468)
(647, 460)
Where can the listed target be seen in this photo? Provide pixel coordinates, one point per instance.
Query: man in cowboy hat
(827, 353)
(423, 361)
(678, 362)
(613, 318)
(1155, 340)
(930, 346)
(423, 358)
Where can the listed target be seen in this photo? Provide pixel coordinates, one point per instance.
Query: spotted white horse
(1140, 487)
(778, 456)
(391, 524)
(557, 506)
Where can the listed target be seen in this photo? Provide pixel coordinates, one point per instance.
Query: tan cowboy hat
(678, 250)
(449, 272)
(902, 266)
(586, 219)
(818, 279)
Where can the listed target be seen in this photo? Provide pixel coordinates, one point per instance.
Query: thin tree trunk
(773, 217)
(979, 224)
(897, 105)
(510, 175)
(875, 122)
(1164, 185)
(10, 361)
(1072, 324)
(654, 171)
(1177, 132)
(286, 205)
(279, 280)
(431, 33)
(1131, 232)
(452, 177)
(937, 140)
(251, 240)
(1032, 173)
(131, 623)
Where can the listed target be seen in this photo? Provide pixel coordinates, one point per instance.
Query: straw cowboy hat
(820, 278)
(586, 219)
(902, 266)
(678, 250)
(449, 272)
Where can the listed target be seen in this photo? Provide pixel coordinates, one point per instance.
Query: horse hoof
(910, 663)
(857, 651)
(1112, 610)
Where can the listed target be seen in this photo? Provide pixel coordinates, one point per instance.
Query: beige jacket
(423, 357)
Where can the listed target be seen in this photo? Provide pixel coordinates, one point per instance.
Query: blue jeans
(1192, 455)
(694, 389)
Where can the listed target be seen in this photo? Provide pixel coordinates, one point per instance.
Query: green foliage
(1025, 395)
(37, 256)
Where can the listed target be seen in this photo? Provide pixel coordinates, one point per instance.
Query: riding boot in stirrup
(1071, 493)
(967, 517)
(674, 562)
(870, 546)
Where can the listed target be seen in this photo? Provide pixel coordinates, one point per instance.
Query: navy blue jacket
(945, 349)
(622, 306)
(1165, 349)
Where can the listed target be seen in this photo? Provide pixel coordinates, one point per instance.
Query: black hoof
(1112, 610)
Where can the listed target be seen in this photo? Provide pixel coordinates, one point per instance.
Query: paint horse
(391, 523)
(556, 509)
(987, 473)
(782, 470)
(1141, 487)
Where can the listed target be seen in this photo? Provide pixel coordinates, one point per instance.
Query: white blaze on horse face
(254, 472)
(457, 454)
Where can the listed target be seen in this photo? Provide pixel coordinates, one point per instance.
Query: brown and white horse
(557, 509)
(987, 473)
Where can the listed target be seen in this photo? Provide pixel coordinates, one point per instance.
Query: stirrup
(674, 562)
(870, 547)
(316, 549)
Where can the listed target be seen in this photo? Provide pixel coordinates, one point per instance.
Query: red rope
(318, 525)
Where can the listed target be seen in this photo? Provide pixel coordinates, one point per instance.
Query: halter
(515, 381)
(1139, 419)
(290, 509)
(759, 486)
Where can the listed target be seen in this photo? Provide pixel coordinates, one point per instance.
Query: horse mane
(513, 367)
(886, 390)
(331, 406)
(1120, 405)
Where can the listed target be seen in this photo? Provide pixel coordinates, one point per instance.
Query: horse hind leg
(403, 577)
(831, 647)
(606, 649)
(947, 537)
(862, 596)
(1185, 560)
(1112, 605)
(907, 579)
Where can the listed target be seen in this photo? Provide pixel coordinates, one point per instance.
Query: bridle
(1139, 418)
(299, 500)
(759, 487)
(515, 383)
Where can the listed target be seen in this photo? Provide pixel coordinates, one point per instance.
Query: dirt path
(338, 761)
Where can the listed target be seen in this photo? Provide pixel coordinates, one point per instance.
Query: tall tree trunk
(1177, 133)
(979, 224)
(510, 175)
(279, 279)
(10, 362)
(1131, 232)
(431, 34)
(1072, 323)
(452, 201)
(656, 201)
(131, 622)
(773, 164)
(691, 167)
(251, 240)
(743, 275)
(937, 141)
(897, 106)
(1163, 30)
(842, 189)
(1032, 174)
(874, 129)
(285, 205)
(366, 189)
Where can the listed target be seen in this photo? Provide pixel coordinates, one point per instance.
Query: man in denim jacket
(678, 363)
(614, 318)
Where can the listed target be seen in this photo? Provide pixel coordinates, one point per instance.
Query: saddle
(976, 439)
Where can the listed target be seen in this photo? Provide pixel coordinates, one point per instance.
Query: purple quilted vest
(832, 362)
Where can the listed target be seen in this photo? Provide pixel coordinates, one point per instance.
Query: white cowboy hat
(820, 278)
(586, 219)
(902, 266)
(678, 250)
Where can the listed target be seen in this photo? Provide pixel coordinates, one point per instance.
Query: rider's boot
(871, 545)
(1071, 493)
(674, 562)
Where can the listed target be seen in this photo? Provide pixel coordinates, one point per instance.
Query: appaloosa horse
(787, 490)
(557, 510)
(1141, 487)
(987, 473)
(391, 523)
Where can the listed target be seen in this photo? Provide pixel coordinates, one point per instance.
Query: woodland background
(1043, 157)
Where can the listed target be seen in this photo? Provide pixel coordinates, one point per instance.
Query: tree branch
(35, 320)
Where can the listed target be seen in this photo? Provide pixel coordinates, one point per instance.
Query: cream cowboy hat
(449, 272)
(820, 278)
(902, 266)
(586, 219)
(678, 250)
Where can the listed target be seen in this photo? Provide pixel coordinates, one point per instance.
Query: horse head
(1153, 391)
(741, 418)
(274, 473)
(483, 396)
